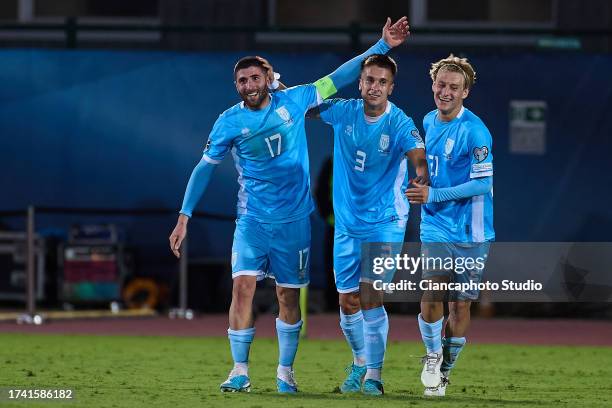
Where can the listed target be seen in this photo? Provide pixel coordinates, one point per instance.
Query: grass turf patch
(130, 371)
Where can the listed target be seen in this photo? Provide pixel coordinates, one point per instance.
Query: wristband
(275, 84)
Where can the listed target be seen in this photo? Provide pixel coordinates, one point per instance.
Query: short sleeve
(480, 143)
(219, 142)
(408, 135)
(305, 96)
(331, 111)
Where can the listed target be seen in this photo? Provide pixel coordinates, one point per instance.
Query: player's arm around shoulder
(332, 111)
(306, 97)
(312, 95)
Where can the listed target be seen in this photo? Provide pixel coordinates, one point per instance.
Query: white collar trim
(461, 112)
(374, 119)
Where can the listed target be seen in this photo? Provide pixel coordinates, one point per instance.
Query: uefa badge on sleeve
(481, 153)
(415, 133)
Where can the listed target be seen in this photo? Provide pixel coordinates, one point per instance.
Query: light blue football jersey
(458, 151)
(270, 153)
(370, 165)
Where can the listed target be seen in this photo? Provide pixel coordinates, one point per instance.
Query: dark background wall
(123, 130)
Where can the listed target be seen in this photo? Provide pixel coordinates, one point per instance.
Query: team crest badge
(348, 130)
(448, 148)
(383, 144)
(283, 113)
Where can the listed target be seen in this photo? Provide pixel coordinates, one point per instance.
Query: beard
(255, 103)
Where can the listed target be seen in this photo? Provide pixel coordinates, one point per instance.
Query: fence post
(183, 276)
(181, 312)
(31, 262)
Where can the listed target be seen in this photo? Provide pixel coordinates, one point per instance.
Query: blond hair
(455, 64)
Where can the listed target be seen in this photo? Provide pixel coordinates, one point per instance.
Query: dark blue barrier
(124, 130)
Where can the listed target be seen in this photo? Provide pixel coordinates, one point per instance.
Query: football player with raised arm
(265, 134)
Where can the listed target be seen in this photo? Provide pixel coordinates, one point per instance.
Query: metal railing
(72, 30)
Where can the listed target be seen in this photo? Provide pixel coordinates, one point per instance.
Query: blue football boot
(373, 387)
(354, 379)
(236, 383)
(287, 387)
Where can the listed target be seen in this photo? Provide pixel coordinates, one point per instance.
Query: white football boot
(438, 391)
(430, 376)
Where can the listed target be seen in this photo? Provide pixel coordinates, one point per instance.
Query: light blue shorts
(462, 272)
(277, 251)
(348, 255)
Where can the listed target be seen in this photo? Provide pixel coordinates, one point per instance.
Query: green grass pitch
(129, 371)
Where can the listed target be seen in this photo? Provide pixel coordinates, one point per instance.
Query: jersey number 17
(273, 140)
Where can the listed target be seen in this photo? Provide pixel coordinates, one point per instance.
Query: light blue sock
(376, 328)
(451, 347)
(240, 343)
(352, 327)
(288, 339)
(431, 334)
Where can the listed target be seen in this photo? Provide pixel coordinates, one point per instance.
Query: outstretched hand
(396, 33)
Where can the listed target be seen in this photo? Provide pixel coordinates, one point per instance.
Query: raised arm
(392, 36)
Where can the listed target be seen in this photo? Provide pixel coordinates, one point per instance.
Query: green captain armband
(325, 86)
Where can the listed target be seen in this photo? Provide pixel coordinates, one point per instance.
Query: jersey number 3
(271, 141)
(360, 161)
